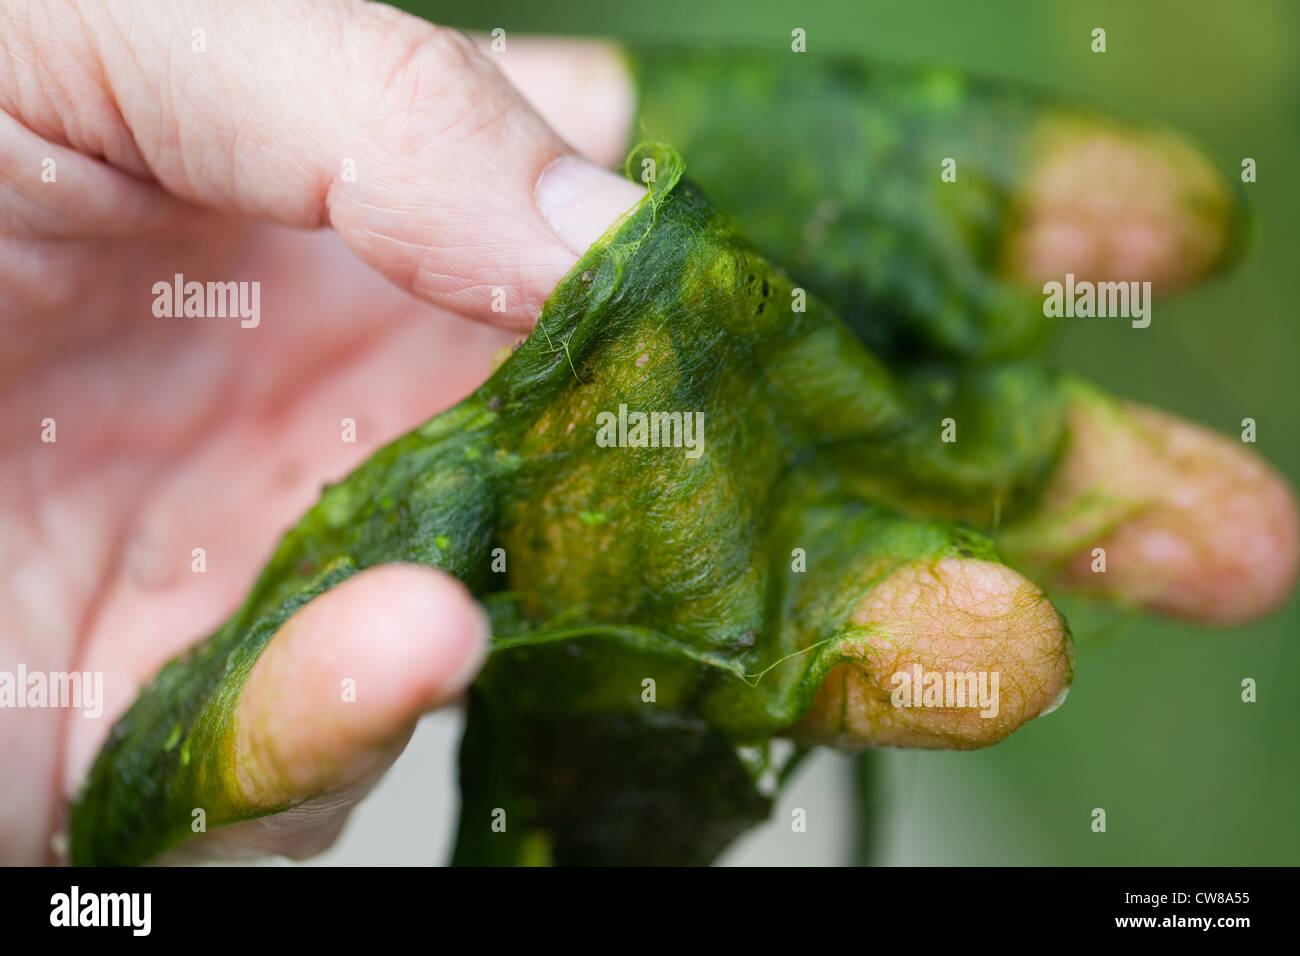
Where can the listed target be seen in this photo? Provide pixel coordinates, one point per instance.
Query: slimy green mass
(686, 497)
(684, 578)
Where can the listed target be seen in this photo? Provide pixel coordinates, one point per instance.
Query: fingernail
(1056, 701)
(580, 201)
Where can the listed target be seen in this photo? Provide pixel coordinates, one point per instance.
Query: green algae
(625, 563)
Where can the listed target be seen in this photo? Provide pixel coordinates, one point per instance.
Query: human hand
(186, 608)
(376, 177)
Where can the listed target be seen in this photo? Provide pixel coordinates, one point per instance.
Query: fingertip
(424, 649)
(1110, 203)
(954, 619)
(1211, 533)
(333, 698)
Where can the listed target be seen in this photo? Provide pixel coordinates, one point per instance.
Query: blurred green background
(1154, 730)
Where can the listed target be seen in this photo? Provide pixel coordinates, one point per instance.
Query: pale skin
(174, 435)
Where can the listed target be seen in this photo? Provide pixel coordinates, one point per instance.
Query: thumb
(399, 134)
(334, 698)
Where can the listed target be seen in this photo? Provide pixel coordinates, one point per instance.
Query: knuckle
(428, 71)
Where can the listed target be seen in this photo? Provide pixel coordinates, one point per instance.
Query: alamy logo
(39, 689)
(212, 300)
(947, 689)
(75, 908)
(651, 430)
(1084, 299)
